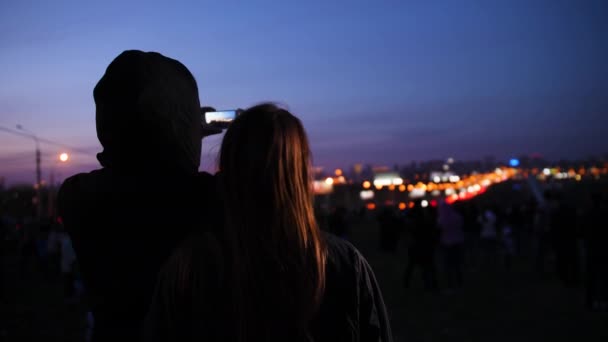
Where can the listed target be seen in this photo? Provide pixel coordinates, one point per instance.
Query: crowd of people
(551, 234)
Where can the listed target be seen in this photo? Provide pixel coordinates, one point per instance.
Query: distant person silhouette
(489, 236)
(565, 236)
(450, 223)
(273, 275)
(126, 218)
(337, 222)
(596, 243)
(389, 227)
(472, 230)
(424, 237)
(542, 231)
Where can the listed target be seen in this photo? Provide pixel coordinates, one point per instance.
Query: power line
(46, 141)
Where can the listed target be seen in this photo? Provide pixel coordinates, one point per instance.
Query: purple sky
(374, 81)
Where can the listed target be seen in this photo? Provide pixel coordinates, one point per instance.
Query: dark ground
(494, 305)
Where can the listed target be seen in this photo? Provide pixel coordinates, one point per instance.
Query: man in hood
(126, 218)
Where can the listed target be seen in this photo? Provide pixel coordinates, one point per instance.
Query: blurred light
(387, 179)
(402, 206)
(436, 193)
(329, 181)
(437, 179)
(449, 191)
(578, 178)
(367, 185)
(498, 171)
(452, 199)
(402, 187)
(378, 187)
(370, 206)
(322, 187)
(450, 160)
(64, 157)
(514, 162)
(446, 167)
(454, 179)
(424, 203)
(433, 203)
(421, 186)
(391, 187)
(366, 194)
(411, 204)
(417, 193)
(546, 172)
(410, 188)
(338, 172)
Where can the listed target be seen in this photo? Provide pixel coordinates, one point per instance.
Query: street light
(38, 175)
(62, 159)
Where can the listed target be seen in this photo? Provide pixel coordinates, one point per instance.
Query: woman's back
(352, 307)
(271, 273)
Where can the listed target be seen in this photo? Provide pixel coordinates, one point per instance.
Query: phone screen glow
(225, 116)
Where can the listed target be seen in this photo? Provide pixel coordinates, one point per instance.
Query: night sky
(380, 82)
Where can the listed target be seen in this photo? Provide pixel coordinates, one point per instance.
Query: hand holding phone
(213, 121)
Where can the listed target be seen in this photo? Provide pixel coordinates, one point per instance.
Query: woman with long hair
(268, 274)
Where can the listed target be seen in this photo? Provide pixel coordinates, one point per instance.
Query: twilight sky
(373, 81)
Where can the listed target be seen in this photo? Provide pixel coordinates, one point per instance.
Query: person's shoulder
(76, 186)
(342, 254)
(82, 181)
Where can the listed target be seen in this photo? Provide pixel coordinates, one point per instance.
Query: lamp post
(63, 158)
(38, 174)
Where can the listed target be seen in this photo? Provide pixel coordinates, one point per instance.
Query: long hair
(275, 249)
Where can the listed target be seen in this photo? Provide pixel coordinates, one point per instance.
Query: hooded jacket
(126, 218)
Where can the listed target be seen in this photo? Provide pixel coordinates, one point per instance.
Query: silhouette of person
(424, 237)
(564, 236)
(389, 225)
(272, 275)
(337, 222)
(596, 244)
(450, 223)
(126, 218)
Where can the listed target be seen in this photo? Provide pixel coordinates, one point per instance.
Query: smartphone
(221, 119)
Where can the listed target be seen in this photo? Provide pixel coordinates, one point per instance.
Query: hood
(148, 114)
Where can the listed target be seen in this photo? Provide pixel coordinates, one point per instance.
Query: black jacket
(123, 228)
(352, 308)
(126, 218)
